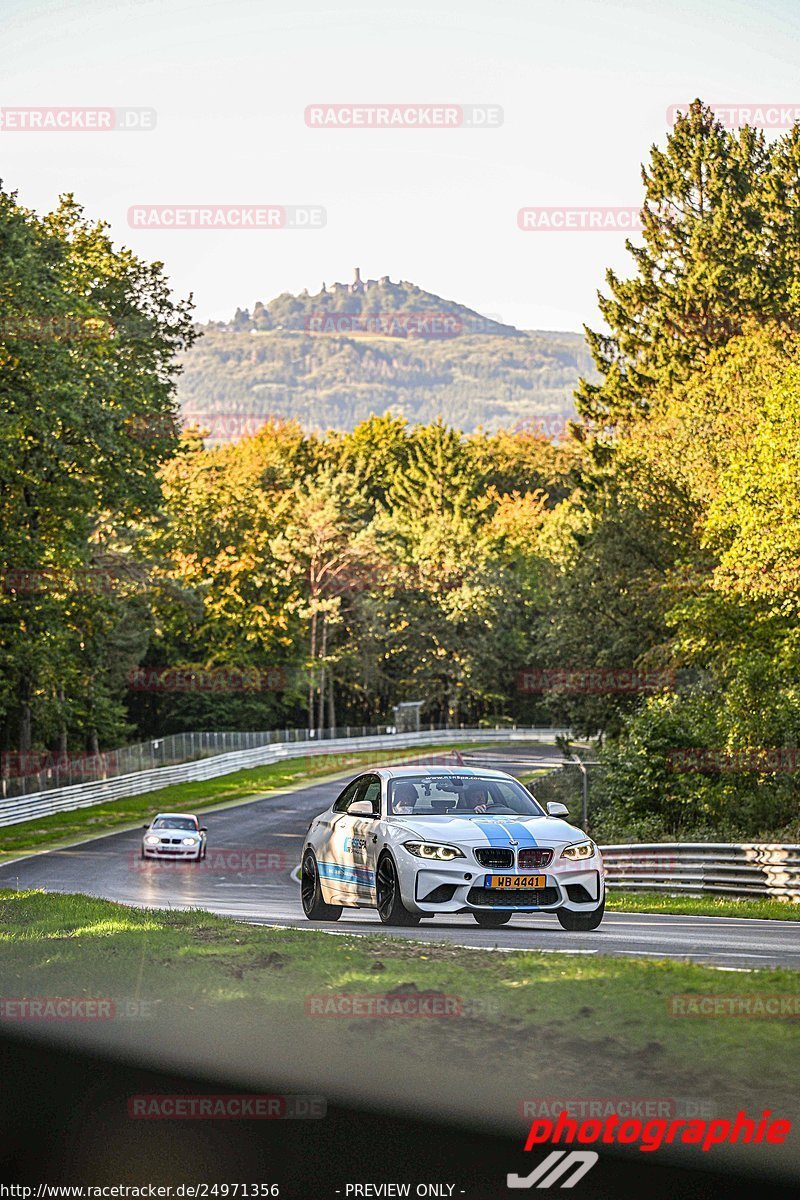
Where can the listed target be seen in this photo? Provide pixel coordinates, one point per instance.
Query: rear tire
(492, 920)
(314, 906)
(391, 909)
(581, 922)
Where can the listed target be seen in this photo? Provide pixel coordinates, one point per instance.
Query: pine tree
(721, 243)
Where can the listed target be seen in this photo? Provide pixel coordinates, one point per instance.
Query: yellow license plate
(515, 882)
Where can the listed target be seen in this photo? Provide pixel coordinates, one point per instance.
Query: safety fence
(15, 809)
(719, 868)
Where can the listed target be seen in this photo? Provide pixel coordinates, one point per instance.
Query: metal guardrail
(84, 795)
(719, 868)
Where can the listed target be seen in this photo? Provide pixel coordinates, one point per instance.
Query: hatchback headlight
(151, 840)
(190, 841)
(579, 850)
(430, 851)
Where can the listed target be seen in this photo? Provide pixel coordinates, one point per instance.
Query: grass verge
(575, 1020)
(701, 906)
(79, 823)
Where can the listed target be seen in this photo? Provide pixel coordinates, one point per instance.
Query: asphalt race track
(254, 849)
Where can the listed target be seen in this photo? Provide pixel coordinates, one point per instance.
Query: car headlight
(151, 839)
(428, 850)
(190, 841)
(579, 850)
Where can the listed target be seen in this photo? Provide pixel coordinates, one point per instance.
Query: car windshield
(460, 796)
(174, 823)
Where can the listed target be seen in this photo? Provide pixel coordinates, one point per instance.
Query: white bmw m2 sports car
(414, 841)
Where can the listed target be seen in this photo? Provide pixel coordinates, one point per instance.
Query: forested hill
(372, 306)
(352, 350)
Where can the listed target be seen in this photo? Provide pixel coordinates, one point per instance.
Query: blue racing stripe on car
(494, 833)
(520, 833)
(362, 875)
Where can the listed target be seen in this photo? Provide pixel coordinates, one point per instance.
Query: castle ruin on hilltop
(357, 287)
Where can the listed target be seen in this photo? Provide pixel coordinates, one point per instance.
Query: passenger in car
(405, 798)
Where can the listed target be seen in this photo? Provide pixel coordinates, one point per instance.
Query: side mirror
(361, 808)
(204, 829)
(145, 827)
(557, 810)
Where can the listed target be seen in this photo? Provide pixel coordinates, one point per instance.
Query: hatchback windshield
(460, 796)
(174, 823)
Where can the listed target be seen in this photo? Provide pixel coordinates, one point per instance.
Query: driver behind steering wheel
(476, 798)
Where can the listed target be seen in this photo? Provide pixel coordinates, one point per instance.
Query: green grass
(701, 906)
(192, 797)
(587, 1021)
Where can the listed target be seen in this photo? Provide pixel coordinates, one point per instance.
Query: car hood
(490, 831)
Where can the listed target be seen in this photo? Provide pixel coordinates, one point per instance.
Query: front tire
(492, 920)
(581, 922)
(314, 906)
(391, 909)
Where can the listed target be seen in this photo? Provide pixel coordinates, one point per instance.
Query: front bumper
(172, 852)
(458, 886)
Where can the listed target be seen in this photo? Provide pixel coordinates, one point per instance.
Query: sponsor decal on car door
(345, 868)
(367, 835)
(328, 848)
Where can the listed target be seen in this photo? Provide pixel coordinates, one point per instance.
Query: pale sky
(584, 87)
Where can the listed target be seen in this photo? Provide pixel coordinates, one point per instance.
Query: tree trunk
(322, 649)
(62, 732)
(331, 703)
(25, 692)
(94, 745)
(312, 671)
